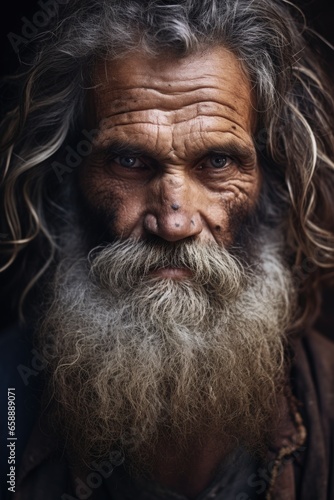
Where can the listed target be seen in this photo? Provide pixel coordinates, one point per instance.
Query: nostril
(151, 223)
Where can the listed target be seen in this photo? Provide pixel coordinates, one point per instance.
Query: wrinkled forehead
(169, 83)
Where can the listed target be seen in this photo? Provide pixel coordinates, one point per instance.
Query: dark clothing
(299, 464)
(231, 480)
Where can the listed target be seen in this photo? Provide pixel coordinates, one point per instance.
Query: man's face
(174, 156)
(165, 333)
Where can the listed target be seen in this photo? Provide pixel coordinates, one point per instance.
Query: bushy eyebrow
(120, 148)
(235, 150)
(230, 147)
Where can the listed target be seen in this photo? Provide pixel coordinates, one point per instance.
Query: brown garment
(300, 462)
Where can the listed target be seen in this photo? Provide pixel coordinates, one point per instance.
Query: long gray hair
(294, 135)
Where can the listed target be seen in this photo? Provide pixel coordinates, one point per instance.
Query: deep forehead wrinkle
(137, 99)
(166, 117)
(170, 84)
(169, 105)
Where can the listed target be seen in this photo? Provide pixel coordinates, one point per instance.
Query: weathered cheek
(243, 191)
(108, 197)
(127, 216)
(232, 205)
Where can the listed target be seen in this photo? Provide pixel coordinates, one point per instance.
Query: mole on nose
(175, 206)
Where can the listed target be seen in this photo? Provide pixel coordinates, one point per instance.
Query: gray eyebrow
(120, 148)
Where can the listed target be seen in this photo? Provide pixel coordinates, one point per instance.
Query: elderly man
(167, 191)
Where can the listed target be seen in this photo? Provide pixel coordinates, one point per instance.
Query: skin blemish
(172, 115)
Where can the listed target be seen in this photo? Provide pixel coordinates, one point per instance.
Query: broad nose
(173, 214)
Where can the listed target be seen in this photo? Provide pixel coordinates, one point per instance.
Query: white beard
(136, 358)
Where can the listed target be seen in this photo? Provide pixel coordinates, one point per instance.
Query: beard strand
(137, 359)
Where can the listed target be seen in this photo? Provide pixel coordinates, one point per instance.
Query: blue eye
(128, 161)
(220, 161)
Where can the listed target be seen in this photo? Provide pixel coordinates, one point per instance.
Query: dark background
(319, 13)
(320, 17)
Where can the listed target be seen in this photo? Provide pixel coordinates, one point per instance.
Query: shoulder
(314, 372)
(319, 351)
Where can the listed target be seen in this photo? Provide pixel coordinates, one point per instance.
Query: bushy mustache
(126, 264)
